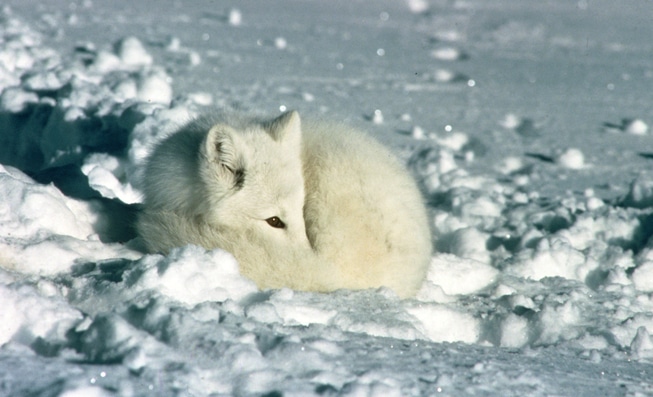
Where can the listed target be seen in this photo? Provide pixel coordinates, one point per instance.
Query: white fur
(353, 216)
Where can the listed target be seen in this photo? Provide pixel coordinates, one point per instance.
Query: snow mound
(36, 315)
(192, 276)
(65, 110)
(45, 232)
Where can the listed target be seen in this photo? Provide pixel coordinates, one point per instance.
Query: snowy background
(526, 123)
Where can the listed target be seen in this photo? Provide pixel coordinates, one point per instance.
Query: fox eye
(276, 222)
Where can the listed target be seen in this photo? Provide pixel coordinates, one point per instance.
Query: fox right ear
(286, 127)
(220, 148)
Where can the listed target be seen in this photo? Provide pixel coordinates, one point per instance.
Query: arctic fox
(317, 207)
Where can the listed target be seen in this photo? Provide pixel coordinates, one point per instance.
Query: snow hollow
(525, 123)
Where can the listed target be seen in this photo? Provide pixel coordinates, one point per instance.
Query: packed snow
(526, 125)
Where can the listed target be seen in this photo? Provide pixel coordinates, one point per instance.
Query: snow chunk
(430, 164)
(26, 314)
(642, 344)
(417, 6)
(514, 331)
(553, 257)
(458, 276)
(636, 127)
(132, 53)
(560, 322)
(201, 98)
(627, 125)
(455, 140)
(105, 62)
(15, 100)
(443, 324)
(42, 81)
(292, 313)
(640, 194)
(643, 277)
(571, 158)
(511, 121)
(107, 176)
(417, 132)
(51, 254)
(193, 275)
(510, 165)
(469, 243)
(44, 232)
(447, 54)
(235, 17)
(377, 116)
(31, 209)
(154, 87)
(86, 391)
(608, 225)
(125, 90)
(482, 206)
(110, 338)
(280, 43)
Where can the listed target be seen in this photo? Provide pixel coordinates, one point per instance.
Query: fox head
(252, 177)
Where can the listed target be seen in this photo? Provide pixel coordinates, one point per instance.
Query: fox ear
(285, 127)
(220, 147)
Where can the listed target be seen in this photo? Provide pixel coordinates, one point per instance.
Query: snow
(525, 124)
(571, 158)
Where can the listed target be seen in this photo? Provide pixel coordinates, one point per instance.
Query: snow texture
(526, 124)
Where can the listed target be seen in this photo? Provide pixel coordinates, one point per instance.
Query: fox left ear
(221, 147)
(285, 127)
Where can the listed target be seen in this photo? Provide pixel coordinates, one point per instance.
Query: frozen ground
(525, 122)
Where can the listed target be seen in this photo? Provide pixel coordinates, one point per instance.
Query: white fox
(317, 207)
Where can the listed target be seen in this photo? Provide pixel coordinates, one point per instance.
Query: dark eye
(276, 222)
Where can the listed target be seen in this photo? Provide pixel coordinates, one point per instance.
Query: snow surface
(526, 124)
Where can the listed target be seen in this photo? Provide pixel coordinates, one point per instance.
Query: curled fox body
(309, 206)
